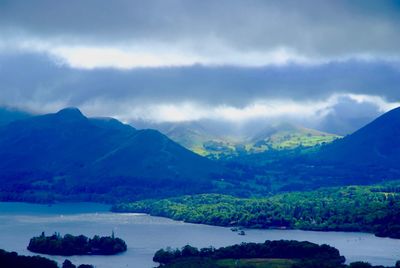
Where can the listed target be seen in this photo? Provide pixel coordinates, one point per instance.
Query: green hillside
(288, 136)
(275, 137)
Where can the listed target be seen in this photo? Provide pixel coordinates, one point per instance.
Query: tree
(189, 251)
(68, 264)
(360, 264)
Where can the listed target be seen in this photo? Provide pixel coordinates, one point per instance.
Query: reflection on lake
(146, 234)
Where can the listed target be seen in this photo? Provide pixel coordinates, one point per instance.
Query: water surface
(146, 234)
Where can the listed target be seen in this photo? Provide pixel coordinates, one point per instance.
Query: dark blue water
(145, 234)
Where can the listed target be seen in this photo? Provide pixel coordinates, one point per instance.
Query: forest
(12, 260)
(271, 254)
(69, 245)
(374, 209)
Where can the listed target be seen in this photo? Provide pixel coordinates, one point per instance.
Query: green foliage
(68, 264)
(76, 245)
(205, 141)
(270, 254)
(282, 249)
(256, 263)
(277, 141)
(353, 208)
(12, 260)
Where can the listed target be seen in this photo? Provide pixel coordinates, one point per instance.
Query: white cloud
(381, 103)
(144, 55)
(154, 55)
(265, 109)
(108, 57)
(151, 56)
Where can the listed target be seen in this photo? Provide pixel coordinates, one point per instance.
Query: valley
(205, 139)
(303, 180)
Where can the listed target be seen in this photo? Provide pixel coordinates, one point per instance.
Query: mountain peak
(71, 112)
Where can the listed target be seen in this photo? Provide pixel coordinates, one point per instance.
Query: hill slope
(67, 153)
(289, 136)
(377, 143)
(369, 155)
(8, 115)
(207, 139)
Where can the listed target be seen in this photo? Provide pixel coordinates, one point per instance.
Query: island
(69, 245)
(270, 254)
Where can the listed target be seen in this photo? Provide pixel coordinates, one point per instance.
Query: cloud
(35, 82)
(148, 56)
(339, 114)
(346, 106)
(130, 34)
(351, 112)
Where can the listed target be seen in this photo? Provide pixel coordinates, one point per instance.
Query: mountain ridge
(67, 151)
(376, 142)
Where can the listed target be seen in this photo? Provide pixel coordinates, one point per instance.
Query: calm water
(145, 234)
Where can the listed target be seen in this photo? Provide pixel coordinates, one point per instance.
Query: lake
(145, 234)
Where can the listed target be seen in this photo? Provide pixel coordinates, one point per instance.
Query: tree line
(281, 249)
(69, 245)
(12, 260)
(374, 209)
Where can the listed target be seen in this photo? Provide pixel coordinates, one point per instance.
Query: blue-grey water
(146, 234)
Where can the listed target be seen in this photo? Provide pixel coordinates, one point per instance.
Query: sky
(332, 65)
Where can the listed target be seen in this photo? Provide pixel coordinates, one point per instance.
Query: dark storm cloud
(329, 48)
(310, 28)
(34, 78)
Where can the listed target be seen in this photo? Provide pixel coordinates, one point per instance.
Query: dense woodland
(76, 245)
(282, 254)
(373, 209)
(13, 260)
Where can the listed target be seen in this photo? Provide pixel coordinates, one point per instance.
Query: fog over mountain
(232, 62)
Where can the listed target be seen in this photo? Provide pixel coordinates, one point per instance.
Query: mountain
(192, 135)
(369, 155)
(203, 138)
(289, 136)
(377, 143)
(66, 153)
(8, 115)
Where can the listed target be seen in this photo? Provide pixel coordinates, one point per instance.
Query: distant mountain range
(67, 153)
(205, 140)
(67, 156)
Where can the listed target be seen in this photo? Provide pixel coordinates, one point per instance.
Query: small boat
(241, 233)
